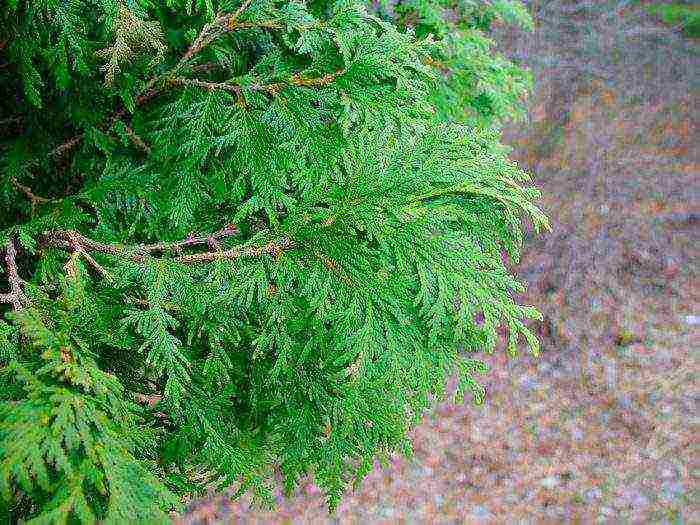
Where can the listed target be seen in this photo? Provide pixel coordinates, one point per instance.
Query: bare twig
(214, 29)
(210, 32)
(15, 296)
(207, 67)
(96, 265)
(191, 240)
(66, 146)
(207, 85)
(274, 248)
(245, 5)
(76, 241)
(33, 198)
(265, 24)
(268, 88)
(138, 141)
(80, 245)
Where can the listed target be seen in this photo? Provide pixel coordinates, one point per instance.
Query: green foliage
(240, 238)
(685, 15)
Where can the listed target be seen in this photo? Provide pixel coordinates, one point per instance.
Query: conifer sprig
(15, 296)
(78, 243)
(272, 89)
(356, 150)
(210, 32)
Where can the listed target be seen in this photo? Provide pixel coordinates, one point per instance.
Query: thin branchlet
(15, 296)
(80, 245)
(222, 24)
(34, 199)
(274, 248)
(272, 88)
(375, 215)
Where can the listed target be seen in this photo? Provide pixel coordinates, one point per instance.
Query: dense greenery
(240, 238)
(685, 15)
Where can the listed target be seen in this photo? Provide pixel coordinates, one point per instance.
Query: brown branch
(66, 146)
(213, 30)
(96, 265)
(191, 240)
(205, 85)
(77, 242)
(245, 5)
(34, 199)
(210, 32)
(274, 248)
(80, 245)
(266, 24)
(74, 241)
(207, 67)
(273, 88)
(15, 296)
(138, 141)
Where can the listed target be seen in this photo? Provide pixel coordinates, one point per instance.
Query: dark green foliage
(685, 15)
(243, 237)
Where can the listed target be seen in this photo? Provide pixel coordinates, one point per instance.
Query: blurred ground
(602, 427)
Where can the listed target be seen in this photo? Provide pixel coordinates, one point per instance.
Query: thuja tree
(244, 239)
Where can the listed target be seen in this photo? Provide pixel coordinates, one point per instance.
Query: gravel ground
(602, 427)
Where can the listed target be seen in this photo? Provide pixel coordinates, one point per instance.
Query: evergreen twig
(72, 240)
(271, 88)
(35, 200)
(210, 32)
(15, 296)
(375, 202)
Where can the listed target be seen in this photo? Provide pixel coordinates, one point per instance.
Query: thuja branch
(34, 199)
(219, 26)
(274, 248)
(79, 244)
(271, 88)
(72, 240)
(15, 296)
